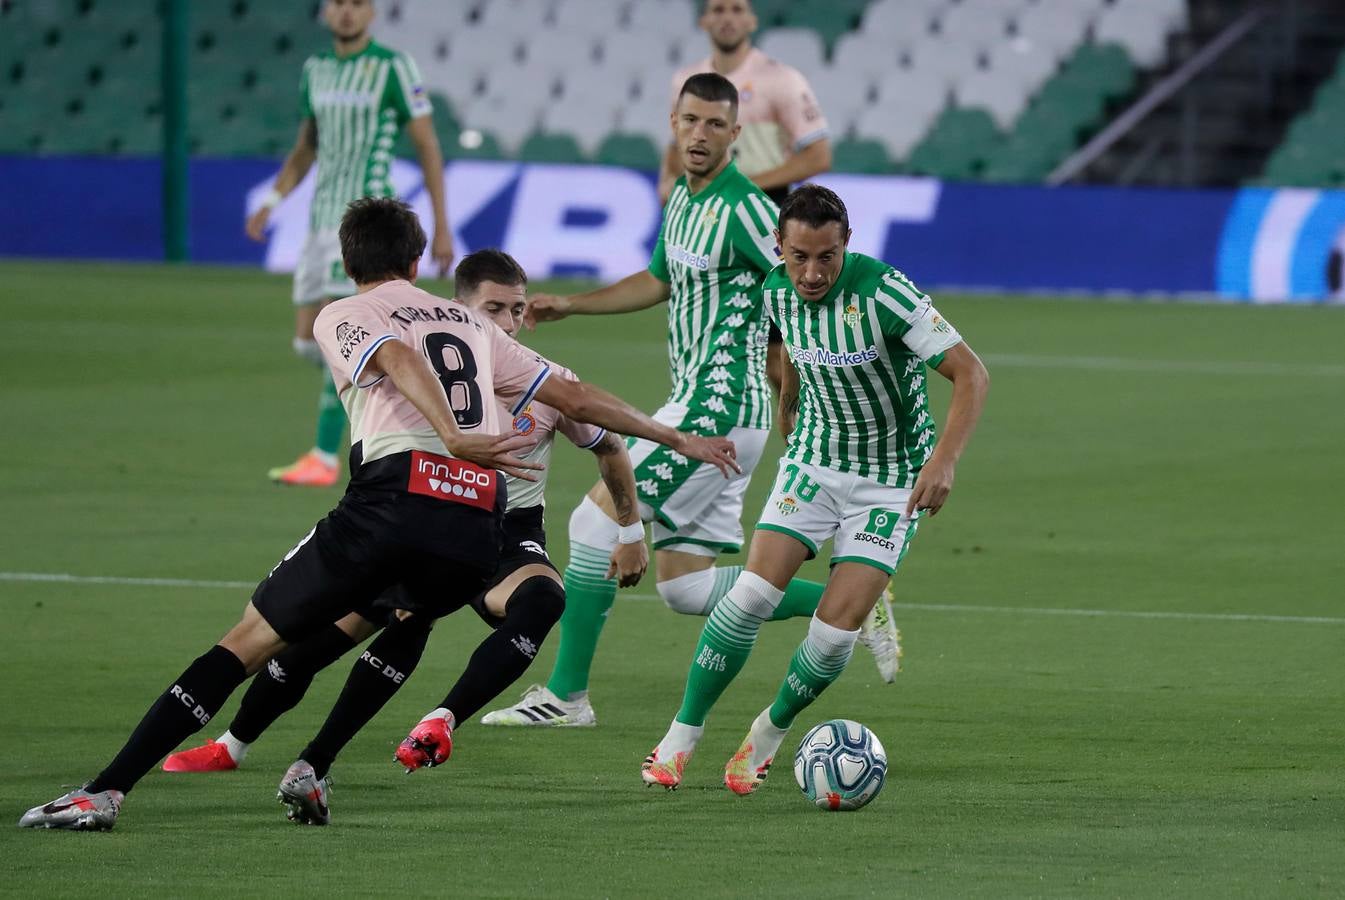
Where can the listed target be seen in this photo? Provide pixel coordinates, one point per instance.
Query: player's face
(348, 19)
(813, 256)
(704, 131)
(503, 304)
(728, 23)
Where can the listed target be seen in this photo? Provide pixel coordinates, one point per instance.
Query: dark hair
(491, 265)
(711, 86)
(381, 239)
(815, 206)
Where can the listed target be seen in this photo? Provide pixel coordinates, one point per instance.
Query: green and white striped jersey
(715, 248)
(359, 103)
(861, 353)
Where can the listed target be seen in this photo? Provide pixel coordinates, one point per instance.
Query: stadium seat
(582, 118)
(957, 146)
(830, 20)
(1106, 67)
(866, 56)
(899, 130)
(864, 157)
(1058, 29)
(900, 20)
(939, 63)
(663, 17)
(551, 148)
(629, 54)
(648, 119)
(1142, 34)
(972, 27)
(1025, 65)
(801, 47)
(509, 120)
(594, 16)
(1002, 97)
(842, 94)
(633, 151)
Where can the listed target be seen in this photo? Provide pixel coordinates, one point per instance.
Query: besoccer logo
(881, 522)
(788, 506)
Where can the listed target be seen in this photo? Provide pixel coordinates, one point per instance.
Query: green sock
(818, 662)
(588, 599)
(801, 597)
(726, 642)
(331, 417)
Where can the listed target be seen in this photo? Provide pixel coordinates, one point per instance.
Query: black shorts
(388, 535)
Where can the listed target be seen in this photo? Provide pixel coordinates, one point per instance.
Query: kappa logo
(348, 337)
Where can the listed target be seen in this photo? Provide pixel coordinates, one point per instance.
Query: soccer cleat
(77, 811)
(428, 745)
(305, 795)
(308, 471)
(880, 634)
(541, 707)
(748, 768)
(665, 772)
(209, 757)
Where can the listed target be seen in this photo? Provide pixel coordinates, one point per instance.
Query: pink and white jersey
(476, 362)
(776, 107)
(539, 421)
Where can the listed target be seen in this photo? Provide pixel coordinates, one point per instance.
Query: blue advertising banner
(1257, 244)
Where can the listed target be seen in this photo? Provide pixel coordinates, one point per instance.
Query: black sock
(503, 657)
(180, 712)
(381, 669)
(279, 687)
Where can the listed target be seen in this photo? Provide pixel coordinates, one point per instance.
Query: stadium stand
(1001, 89)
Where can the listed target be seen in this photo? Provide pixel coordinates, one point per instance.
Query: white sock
(680, 739)
(237, 749)
(324, 456)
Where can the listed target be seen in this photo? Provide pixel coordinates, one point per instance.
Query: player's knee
(536, 604)
(590, 526)
(307, 349)
(688, 594)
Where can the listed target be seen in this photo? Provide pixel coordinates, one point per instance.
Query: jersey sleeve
(798, 112)
(581, 434)
(754, 237)
(518, 371)
(348, 332)
(305, 99)
(658, 260)
(921, 328)
(406, 91)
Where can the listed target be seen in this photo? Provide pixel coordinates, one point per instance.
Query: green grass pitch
(1125, 634)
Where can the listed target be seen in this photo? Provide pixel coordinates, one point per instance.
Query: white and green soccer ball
(840, 765)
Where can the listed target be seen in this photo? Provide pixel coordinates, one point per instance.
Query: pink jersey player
(541, 422)
(776, 107)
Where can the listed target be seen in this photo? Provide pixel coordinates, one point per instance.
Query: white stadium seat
(802, 48)
(563, 48)
(1142, 33)
(510, 121)
(580, 117)
(1001, 97)
(979, 28)
(1059, 30)
(662, 17)
(597, 16)
(649, 119)
(898, 19)
(867, 55)
(632, 53)
(947, 64)
(1025, 65)
(898, 128)
(1173, 13)
(842, 94)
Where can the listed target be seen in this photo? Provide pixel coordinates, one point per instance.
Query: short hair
(705, 6)
(491, 265)
(381, 239)
(815, 206)
(710, 86)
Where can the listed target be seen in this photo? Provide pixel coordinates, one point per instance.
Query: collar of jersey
(713, 187)
(368, 48)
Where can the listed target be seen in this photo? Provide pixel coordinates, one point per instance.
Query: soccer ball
(840, 765)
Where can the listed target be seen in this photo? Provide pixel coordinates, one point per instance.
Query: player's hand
(717, 451)
(495, 451)
(931, 487)
(257, 222)
(545, 308)
(441, 250)
(629, 562)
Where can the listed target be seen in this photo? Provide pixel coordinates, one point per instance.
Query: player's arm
(630, 559)
(971, 383)
(421, 131)
(588, 403)
(789, 394)
(634, 292)
(410, 372)
(297, 163)
(813, 159)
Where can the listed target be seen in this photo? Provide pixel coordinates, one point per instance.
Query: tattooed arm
(789, 395)
(629, 560)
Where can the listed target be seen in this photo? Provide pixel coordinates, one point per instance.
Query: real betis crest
(709, 218)
(851, 315)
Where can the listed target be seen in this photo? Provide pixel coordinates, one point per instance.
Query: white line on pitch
(65, 578)
(1198, 367)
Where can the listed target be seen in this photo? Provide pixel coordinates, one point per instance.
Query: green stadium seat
(551, 148)
(862, 157)
(632, 151)
(830, 20)
(957, 146)
(1106, 67)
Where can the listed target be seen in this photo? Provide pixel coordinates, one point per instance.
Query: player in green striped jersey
(354, 100)
(715, 247)
(862, 465)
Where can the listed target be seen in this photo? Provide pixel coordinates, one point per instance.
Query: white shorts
(692, 506)
(321, 275)
(866, 519)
